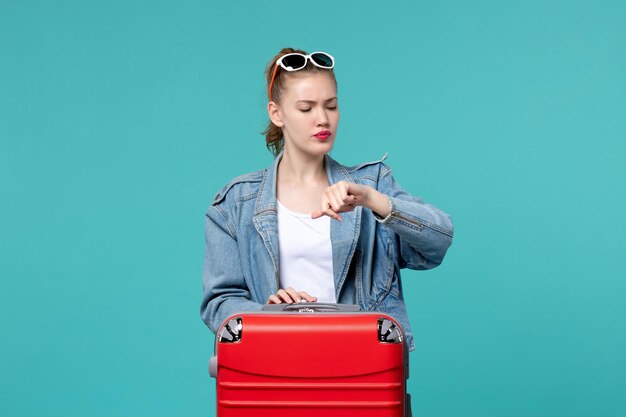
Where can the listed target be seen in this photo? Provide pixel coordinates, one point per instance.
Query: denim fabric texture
(241, 271)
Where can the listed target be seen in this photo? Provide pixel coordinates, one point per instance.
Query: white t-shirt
(306, 254)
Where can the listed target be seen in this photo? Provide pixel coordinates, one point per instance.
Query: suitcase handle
(311, 307)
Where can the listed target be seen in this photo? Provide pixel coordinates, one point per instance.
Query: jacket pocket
(381, 272)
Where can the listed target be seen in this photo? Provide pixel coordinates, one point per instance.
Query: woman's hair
(274, 134)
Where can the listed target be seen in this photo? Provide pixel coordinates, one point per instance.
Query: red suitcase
(310, 360)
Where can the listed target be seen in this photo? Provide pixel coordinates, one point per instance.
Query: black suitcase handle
(311, 307)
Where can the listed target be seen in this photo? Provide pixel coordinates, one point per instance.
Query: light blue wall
(119, 121)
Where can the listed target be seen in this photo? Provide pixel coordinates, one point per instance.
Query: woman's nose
(322, 118)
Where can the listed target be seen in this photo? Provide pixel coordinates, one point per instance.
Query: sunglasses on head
(296, 61)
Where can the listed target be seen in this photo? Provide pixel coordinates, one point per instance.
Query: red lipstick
(323, 134)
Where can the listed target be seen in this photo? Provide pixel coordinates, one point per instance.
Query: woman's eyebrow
(313, 101)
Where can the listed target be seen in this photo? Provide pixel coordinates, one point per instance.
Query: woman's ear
(274, 113)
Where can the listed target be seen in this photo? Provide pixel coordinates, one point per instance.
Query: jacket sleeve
(424, 233)
(225, 291)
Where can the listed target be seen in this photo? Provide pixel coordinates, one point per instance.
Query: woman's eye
(332, 108)
(305, 110)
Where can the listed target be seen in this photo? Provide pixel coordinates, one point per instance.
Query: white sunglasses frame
(306, 57)
(279, 62)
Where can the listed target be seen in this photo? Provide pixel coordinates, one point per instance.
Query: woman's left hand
(341, 197)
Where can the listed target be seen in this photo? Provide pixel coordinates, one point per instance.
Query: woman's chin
(325, 145)
(314, 148)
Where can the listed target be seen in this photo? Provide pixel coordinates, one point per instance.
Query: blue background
(120, 120)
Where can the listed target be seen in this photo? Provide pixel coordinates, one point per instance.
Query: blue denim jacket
(240, 267)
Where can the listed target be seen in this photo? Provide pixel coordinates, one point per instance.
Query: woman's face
(309, 113)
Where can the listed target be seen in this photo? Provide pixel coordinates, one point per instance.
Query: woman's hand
(290, 296)
(341, 197)
(345, 196)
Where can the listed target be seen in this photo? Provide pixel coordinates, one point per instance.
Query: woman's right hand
(290, 296)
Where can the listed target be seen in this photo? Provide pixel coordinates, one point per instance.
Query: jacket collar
(343, 234)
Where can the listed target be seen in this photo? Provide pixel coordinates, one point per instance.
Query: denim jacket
(241, 271)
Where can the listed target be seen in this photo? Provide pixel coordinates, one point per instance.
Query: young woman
(308, 228)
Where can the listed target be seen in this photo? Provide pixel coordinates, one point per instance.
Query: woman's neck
(298, 168)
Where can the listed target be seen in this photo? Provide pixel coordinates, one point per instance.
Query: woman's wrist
(378, 202)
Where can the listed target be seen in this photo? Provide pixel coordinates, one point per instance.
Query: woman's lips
(324, 134)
